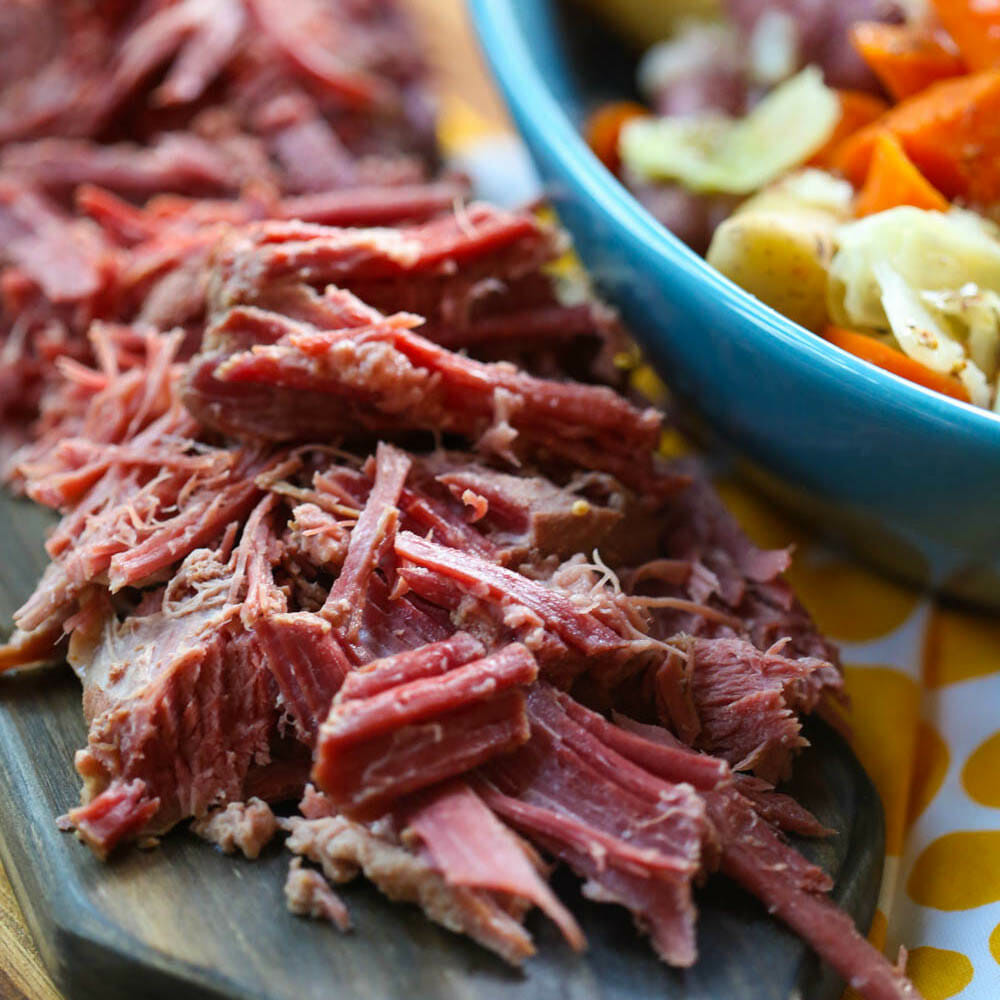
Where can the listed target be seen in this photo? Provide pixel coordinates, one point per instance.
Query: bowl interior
(566, 62)
(880, 461)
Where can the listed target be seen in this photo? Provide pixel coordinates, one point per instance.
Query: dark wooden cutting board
(183, 921)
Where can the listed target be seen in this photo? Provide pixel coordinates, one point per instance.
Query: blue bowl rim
(537, 111)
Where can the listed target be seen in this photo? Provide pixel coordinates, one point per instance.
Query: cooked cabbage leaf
(932, 279)
(712, 152)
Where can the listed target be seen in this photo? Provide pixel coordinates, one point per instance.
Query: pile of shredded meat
(338, 527)
(306, 109)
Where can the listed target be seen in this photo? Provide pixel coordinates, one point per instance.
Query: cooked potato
(781, 258)
(645, 23)
(814, 194)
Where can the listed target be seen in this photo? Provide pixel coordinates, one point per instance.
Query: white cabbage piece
(929, 250)
(712, 152)
(932, 279)
(974, 313)
(921, 336)
(977, 312)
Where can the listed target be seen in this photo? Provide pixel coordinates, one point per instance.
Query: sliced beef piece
(636, 839)
(72, 467)
(472, 848)
(134, 533)
(126, 224)
(392, 623)
(196, 38)
(529, 516)
(744, 704)
(174, 699)
(375, 749)
(120, 813)
(312, 155)
(430, 511)
(345, 848)
(302, 382)
(567, 637)
(105, 462)
(52, 603)
(754, 857)
(304, 34)
(779, 809)
(181, 162)
(729, 575)
(43, 644)
(477, 241)
(754, 854)
(66, 258)
(667, 757)
(432, 660)
(371, 539)
(304, 654)
(374, 205)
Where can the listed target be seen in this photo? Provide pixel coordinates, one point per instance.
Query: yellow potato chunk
(780, 258)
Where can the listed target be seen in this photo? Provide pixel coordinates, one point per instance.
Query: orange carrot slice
(893, 180)
(974, 25)
(885, 357)
(951, 132)
(604, 127)
(905, 58)
(857, 109)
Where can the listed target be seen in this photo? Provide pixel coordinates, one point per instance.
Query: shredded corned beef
(430, 627)
(342, 499)
(308, 894)
(243, 826)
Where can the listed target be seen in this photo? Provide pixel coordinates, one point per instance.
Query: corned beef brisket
(351, 513)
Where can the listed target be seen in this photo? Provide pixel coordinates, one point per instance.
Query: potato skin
(781, 258)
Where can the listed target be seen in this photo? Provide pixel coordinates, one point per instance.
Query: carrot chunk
(857, 109)
(875, 352)
(951, 132)
(893, 180)
(604, 127)
(905, 58)
(974, 25)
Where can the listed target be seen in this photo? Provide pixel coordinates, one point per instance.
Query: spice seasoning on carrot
(906, 58)
(893, 180)
(881, 355)
(951, 132)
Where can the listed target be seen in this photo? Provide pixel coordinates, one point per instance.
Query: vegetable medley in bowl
(840, 160)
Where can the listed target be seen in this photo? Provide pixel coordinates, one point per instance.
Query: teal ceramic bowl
(909, 478)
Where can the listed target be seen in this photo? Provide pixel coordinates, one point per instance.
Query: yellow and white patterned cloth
(924, 683)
